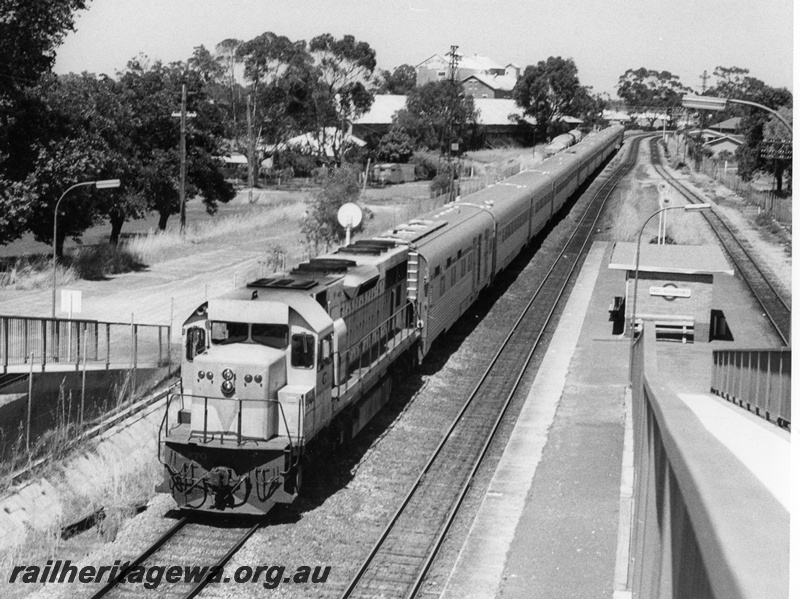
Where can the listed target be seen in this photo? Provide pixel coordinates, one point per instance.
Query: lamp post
(716, 104)
(104, 184)
(632, 326)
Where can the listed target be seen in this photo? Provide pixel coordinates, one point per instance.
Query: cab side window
(195, 342)
(303, 350)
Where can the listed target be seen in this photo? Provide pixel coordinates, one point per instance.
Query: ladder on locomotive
(413, 276)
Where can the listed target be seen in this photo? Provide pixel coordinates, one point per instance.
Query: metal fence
(757, 379)
(43, 342)
(472, 179)
(778, 207)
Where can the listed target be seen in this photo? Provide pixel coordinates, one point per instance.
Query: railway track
(398, 563)
(776, 307)
(187, 544)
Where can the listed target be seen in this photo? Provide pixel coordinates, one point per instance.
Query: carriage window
(223, 333)
(302, 351)
(195, 342)
(271, 335)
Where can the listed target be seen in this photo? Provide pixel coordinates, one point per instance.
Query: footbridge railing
(56, 344)
(706, 521)
(759, 380)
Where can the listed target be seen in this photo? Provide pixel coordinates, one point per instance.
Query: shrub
(98, 261)
(440, 183)
(426, 165)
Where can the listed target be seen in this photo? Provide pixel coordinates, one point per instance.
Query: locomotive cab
(257, 378)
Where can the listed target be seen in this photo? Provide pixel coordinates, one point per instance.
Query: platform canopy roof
(684, 259)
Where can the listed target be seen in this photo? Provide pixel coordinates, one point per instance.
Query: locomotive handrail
(357, 348)
(205, 399)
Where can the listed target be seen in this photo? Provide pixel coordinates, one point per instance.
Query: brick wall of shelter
(697, 306)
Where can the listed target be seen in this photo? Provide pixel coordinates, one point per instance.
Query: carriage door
(478, 262)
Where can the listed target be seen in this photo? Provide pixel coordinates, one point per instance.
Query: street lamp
(104, 184)
(716, 104)
(632, 327)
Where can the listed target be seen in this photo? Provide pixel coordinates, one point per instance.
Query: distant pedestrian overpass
(36, 344)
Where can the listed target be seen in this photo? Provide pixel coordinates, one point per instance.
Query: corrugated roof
(382, 110)
(491, 111)
(478, 62)
(731, 124)
(495, 111)
(685, 259)
(503, 82)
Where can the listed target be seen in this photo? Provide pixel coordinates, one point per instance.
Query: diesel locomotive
(302, 358)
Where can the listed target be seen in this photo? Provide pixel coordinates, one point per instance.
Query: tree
(321, 225)
(345, 68)
(395, 146)
(400, 81)
(650, 92)
(436, 113)
(29, 34)
(546, 92)
(60, 165)
(226, 56)
(752, 156)
(153, 91)
(587, 106)
(266, 59)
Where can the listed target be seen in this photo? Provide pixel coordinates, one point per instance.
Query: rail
(37, 341)
(403, 554)
(756, 379)
(703, 525)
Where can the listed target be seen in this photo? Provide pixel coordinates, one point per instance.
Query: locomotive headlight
(227, 388)
(210, 375)
(248, 378)
(201, 374)
(258, 379)
(227, 374)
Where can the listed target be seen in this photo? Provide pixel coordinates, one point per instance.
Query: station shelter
(675, 290)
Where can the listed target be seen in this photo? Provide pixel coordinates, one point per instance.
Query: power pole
(451, 76)
(251, 150)
(183, 115)
(705, 77)
(183, 160)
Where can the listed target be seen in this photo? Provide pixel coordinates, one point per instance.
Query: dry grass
(640, 202)
(28, 273)
(114, 479)
(160, 246)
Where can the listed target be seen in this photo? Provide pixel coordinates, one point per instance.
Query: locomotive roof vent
(282, 284)
(373, 247)
(324, 265)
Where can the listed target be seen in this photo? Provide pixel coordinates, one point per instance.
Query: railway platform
(556, 519)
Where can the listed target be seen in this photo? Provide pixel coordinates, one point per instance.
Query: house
(616, 117)
(501, 119)
(724, 143)
(378, 120)
(436, 68)
(728, 126)
(489, 86)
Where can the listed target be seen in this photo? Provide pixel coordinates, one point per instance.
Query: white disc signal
(349, 215)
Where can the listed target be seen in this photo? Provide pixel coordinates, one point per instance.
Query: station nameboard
(671, 291)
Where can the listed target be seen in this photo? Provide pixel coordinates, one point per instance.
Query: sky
(685, 37)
